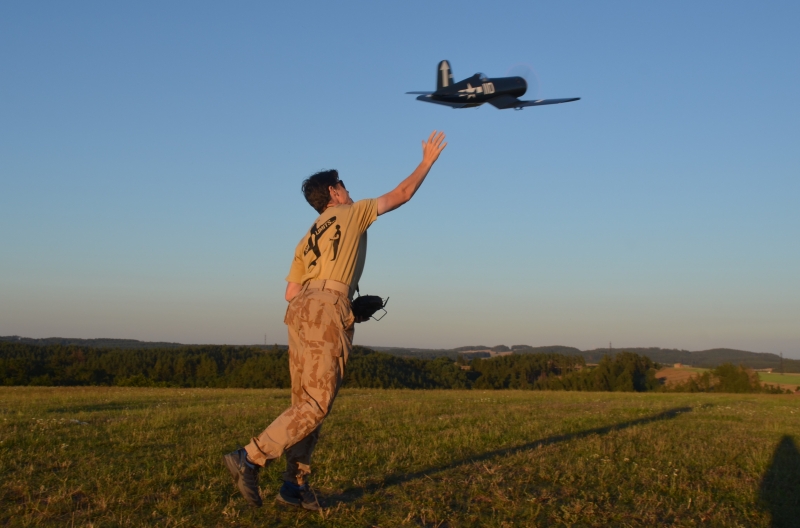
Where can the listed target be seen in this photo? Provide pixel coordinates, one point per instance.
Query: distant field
(791, 381)
(673, 376)
(151, 457)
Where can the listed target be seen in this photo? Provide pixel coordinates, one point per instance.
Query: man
(324, 274)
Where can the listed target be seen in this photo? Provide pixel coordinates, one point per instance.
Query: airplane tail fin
(444, 77)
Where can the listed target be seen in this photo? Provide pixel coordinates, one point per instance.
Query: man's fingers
(435, 144)
(435, 137)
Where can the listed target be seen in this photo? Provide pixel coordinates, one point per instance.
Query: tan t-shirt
(336, 245)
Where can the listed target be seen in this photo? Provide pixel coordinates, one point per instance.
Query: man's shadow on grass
(780, 487)
(352, 494)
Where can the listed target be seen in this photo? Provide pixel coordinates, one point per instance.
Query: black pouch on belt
(365, 306)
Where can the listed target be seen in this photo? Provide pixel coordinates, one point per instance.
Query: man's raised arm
(403, 192)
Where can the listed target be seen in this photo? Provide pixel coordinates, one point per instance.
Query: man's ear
(331, 190)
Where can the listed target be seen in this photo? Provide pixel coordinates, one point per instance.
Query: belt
(329, 284)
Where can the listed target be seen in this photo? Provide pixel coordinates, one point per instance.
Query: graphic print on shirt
(335, 240)
(313, 239)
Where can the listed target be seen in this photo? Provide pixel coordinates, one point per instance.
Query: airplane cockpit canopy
(482, 76)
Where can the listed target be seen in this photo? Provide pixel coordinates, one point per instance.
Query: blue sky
(151, 156)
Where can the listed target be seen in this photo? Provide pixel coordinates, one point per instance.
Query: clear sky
(151, 155)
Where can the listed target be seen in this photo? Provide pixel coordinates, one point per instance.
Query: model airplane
(501, 92)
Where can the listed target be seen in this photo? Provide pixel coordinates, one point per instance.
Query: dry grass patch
(674, 376)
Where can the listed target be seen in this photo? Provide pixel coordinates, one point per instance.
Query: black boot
(295, 495)
(245, 475)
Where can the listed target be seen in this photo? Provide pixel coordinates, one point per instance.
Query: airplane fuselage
(478, 89)
(501, 92)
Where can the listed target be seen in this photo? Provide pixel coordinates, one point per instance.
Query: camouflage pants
(320, 326)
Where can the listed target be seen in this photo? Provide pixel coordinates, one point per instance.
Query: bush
(739, 379)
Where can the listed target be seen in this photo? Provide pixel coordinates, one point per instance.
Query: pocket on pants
(291, 311)
(320, 323)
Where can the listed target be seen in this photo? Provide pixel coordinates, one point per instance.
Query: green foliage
(250, 367)
(521, 371)
(736, 379)
(375, 370)
(257, 368)
(623, 372)
(189, 366)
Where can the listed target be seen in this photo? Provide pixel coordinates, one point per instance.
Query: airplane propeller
(526, 71)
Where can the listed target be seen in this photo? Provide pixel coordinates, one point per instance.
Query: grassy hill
(703, 359)
(111, 456)
(475, 351)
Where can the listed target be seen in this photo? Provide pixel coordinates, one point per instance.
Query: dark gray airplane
(500, 92)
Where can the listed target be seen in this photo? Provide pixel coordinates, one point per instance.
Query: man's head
(325, 188)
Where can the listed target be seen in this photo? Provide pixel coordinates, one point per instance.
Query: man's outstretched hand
(403, 192)
(433, 147)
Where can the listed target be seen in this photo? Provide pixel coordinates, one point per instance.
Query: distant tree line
(704, 359)
(208, 366)
(189, 366)
(256, 367)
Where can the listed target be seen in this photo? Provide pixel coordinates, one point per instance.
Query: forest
(256, 367)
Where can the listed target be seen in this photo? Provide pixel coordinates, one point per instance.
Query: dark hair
(315, 188)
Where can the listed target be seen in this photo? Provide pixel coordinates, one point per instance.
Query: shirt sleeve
(365, 212)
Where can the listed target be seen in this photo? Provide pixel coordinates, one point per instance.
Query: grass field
(152, 457)
(785, 380)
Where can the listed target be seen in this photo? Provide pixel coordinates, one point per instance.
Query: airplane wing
(506, 101)
(427, 99)
(416, 93)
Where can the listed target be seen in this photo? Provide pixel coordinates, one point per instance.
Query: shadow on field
(101, 407)
(780, 487)
(352, 494)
